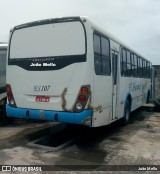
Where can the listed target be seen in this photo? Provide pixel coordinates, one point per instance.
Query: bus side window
(136, 66)
(124, 62)
(106, 68)
(101, 55)
(133, 66)
(128, 64)
(139, 67)
(97, 54)
(144, 69)
(148, 70)
(140, 59)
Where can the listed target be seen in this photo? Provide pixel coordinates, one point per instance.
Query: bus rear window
(55, 39)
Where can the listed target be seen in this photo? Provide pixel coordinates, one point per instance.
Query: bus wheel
(126, 117)
(3, 115)
(148, 97)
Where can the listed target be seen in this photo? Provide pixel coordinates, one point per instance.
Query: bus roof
(109, 35)
(72, 18)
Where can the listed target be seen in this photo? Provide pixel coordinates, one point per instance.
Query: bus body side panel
(138, 89)
(102, 98)
(135, 87)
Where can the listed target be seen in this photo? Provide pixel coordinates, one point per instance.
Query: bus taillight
(84, 90)
(82, 98)
(10, 96)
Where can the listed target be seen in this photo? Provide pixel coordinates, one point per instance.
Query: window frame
(102, 57)
(127, 72)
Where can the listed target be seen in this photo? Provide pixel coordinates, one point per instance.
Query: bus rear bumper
(84, 117)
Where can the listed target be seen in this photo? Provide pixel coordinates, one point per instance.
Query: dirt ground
(138, 143)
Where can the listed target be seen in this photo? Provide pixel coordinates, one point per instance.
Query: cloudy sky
(135, 22)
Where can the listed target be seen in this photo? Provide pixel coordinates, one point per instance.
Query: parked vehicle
(70, 70)
(3, 94)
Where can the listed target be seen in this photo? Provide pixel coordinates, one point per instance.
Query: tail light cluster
(10, 96)
(82, 98)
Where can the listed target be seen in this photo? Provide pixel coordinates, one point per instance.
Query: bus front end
(47, 72)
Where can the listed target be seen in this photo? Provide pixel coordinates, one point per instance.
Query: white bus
(70, 70)
(3, 94)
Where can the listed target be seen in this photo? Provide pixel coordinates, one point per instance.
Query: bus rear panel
(46, 75)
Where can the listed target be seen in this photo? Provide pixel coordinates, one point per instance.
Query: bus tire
(3, 115)
(127, 110)
(148, 97)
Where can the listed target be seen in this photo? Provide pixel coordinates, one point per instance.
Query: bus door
(115, 88)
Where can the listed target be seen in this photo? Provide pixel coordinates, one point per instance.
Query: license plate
(42, 99)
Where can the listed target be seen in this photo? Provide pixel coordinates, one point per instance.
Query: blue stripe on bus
(83, 117)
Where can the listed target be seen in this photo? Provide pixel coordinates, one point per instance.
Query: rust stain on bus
(64, 102)
(41, 112)
(98, 108)
(87, 121)
(89, 105)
